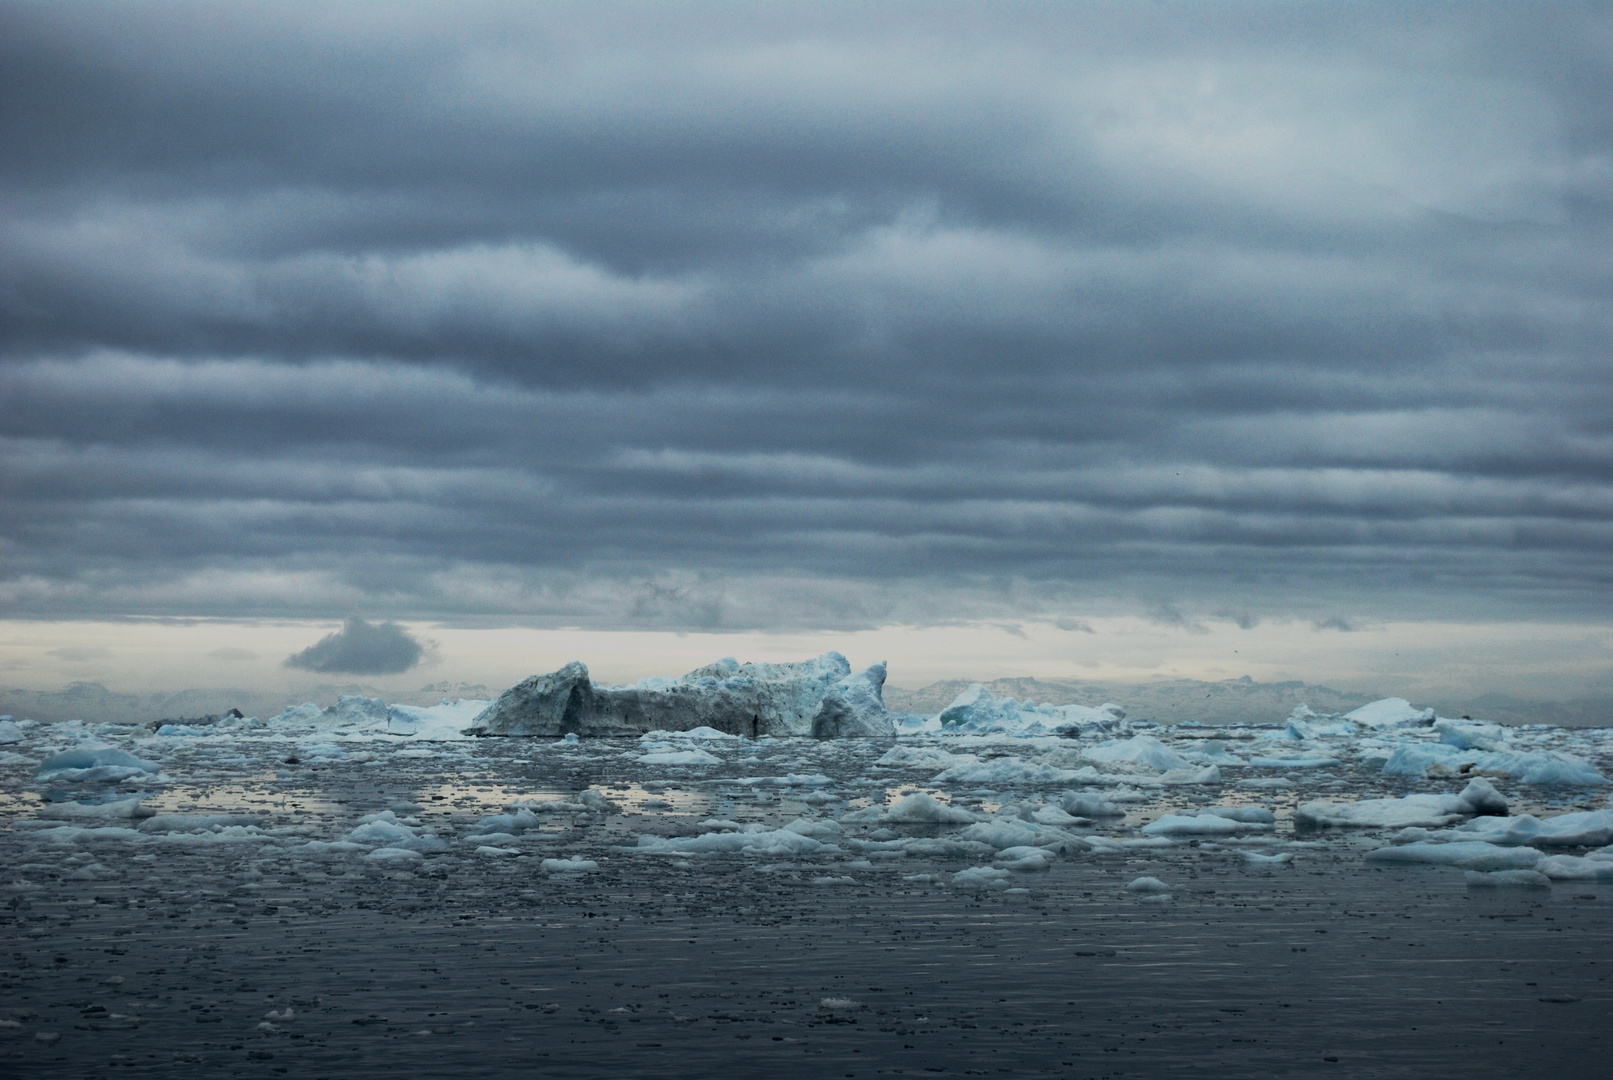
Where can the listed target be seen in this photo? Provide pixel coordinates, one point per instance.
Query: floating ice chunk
(119, 810)
(1004, 772)
(1204, 824)
(1470, 855)
(1391, 713)
(352, 713)
(387, 829)
(1583, 828)
(1147, 885)
(1213, 752)
(1144, 751)
(920, 808)
(854, 707)
(571, 865)
(443, 722)
(1257, 859)
(1545, 768)
(10, 732)
(979, 711)
(702, 732)
(1024, 858)
(816, 828)
(381, 830)
(1413, 811)
(680, 757)
(1542, 768)
(1304, 724)
(297, 717)
(495, 839)
(1468, 735)
(1266, 783)
(1597, 866)
(980, 877)
(395, 854)
(762, 841)
(1528, 879)
(93, 763)
(1090, 805)
(1003, 833)
(1053, 815)
(839, 1004)
(1249, 815)
(192, 823)
(523, 814)
(1294, 761)
(489, 851)
(923, 758)
(1210, 774)
(1481, 795)
(788, 780)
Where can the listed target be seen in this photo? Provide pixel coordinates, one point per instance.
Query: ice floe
(1422, 810)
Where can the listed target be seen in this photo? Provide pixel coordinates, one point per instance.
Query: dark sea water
(166, 957)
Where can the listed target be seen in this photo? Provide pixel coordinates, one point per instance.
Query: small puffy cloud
(1335, 622)
(361, 648)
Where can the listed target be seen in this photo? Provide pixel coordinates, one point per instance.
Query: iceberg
(1539, 768)
(1306, 725)
(1391, 713)
(920, 808)
(977, 711)
(94, 763)
(735, 698)
(854, 707)
(1142, 751)
(1470, 735)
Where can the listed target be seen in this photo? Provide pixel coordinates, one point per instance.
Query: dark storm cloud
(699, 316)
(361, 648)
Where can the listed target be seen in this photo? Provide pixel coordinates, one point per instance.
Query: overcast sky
(775, 317)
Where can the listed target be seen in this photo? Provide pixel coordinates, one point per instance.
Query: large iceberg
(734, 698)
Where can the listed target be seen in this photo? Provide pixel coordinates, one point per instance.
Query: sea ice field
(1005, 888)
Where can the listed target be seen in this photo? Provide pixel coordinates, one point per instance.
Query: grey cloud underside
(361, 648)
(805, 317)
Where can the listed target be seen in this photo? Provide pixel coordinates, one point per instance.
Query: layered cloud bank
(805, 318)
